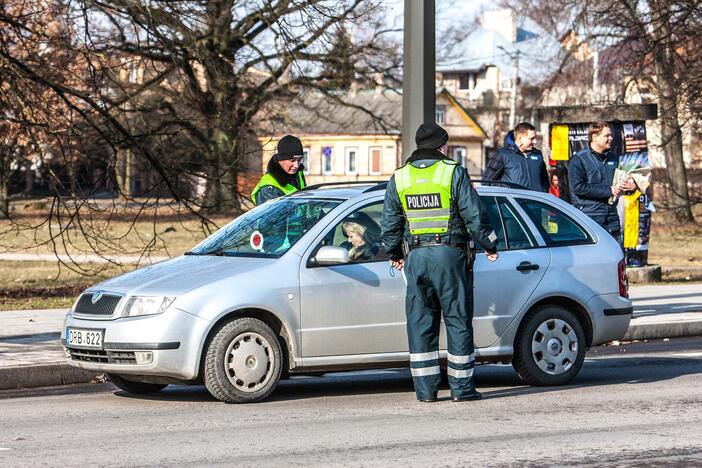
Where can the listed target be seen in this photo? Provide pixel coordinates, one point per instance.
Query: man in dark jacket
(284, 174)
(518, 161)
(432, 208)
(591, 175)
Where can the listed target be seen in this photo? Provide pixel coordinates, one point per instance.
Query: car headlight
(146, 305)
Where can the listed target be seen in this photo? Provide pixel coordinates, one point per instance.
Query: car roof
(350, 190)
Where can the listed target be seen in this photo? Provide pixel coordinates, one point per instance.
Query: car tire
(130, 386)
(550, 347)
(243, 362)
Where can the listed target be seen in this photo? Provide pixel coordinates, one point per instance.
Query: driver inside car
(363, 240)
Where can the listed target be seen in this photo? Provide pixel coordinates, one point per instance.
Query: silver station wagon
(287, 288)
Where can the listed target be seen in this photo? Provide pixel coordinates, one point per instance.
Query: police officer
(431, 215)
(284, 174)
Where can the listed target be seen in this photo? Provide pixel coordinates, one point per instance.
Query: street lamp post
(418, 71)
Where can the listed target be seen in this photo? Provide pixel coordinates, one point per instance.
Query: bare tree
(174, 91)
(653, 42)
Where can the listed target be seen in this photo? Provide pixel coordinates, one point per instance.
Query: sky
(448, 12)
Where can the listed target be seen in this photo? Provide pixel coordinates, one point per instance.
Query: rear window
(556, 227)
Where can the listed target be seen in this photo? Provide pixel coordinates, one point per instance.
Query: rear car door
(354, 308)
(503, 288)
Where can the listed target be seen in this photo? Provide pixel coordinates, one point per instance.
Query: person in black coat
(518, 161)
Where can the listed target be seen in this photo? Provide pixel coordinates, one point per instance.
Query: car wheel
(130, 386)
(550, 347)
(243, 362)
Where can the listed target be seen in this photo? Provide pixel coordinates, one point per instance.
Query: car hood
(179, 275)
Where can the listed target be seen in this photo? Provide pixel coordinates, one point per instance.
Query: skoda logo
(97, 295)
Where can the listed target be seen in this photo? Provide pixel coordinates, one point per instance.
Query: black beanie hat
(430, 136)
(288, 147)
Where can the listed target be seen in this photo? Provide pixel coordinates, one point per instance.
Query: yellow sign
(559, 143)
(631, 220)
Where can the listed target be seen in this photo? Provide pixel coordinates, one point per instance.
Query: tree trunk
(4, 191)
(671, 134)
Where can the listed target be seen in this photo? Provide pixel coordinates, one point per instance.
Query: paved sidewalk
(31, 354)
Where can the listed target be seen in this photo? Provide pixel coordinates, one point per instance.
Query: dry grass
(39, 285)
(31, 284)
(165, 237)
(674, 244)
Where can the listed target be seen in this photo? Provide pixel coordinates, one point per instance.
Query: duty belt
(417, 243)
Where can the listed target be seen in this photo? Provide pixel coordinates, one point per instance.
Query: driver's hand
(492, 257)
(397, 264)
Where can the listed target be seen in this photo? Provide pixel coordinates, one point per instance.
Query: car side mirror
(329, 255)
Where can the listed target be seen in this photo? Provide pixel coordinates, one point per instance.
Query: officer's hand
(397, 264)
(492, 257)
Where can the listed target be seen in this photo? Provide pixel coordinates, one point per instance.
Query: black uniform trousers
(438, 279)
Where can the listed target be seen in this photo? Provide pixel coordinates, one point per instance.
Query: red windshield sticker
(256, 240)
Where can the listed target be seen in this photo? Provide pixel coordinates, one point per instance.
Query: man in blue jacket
(518, 161)
(591, 177)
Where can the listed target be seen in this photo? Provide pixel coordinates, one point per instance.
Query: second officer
(431, 215)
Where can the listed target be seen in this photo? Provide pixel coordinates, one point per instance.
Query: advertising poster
(629, 142)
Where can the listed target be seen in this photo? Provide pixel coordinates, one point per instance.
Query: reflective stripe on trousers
(460, 359)
(460, 374)
(424, 371)
(419, 357)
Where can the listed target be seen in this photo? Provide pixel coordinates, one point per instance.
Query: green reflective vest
(268, 179)
(425, 194)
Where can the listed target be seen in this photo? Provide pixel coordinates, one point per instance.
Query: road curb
(43, 375)
(61, 373)
(660, 330)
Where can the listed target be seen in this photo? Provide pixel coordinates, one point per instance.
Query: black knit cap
(430, 136)
(288, 147)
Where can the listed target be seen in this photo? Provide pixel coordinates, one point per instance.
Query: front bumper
(170, 340)
(611, 315)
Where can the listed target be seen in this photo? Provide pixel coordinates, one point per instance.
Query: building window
(375, 155)
(440, 113)
(458, 154)
(351, 161)
(466, 81)
(306, 160)
(327, 160)
(506, 84)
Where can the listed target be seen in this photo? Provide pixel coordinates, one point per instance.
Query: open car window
(512, 234)
(359, 233)
(269, 230)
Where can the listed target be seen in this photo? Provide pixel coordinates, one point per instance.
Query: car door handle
(526, 266)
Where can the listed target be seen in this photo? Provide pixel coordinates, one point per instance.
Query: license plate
(84, 338)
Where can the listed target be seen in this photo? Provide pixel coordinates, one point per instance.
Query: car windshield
(269, 230)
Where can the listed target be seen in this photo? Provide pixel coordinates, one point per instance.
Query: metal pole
(513, 106)
(419, 70)
(595, 77)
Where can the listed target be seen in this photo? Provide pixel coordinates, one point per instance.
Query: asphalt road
(633, 405)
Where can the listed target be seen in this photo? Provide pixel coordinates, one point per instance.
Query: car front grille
(104, 357)
(104, 306)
